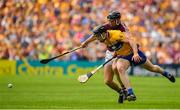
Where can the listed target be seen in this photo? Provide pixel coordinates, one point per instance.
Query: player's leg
(155, 68)
(123, 88)
(122, 66)
(118, 77)
(108, 77)
(108, 74)
(114, 68)
(123, 92)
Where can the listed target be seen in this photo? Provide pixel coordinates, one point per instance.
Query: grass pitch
(65, 92)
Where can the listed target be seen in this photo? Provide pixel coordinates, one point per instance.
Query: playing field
(66, 92)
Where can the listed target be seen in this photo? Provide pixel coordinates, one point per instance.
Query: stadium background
(31, 30)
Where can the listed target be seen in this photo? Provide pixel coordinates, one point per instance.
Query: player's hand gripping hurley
(84, 78)
(45, 61)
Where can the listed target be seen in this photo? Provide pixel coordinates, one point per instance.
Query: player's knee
(121, 70)
(114, 68)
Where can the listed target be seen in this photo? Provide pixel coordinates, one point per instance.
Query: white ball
(10, 85)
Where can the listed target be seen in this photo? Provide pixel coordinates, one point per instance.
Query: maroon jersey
(122, 27)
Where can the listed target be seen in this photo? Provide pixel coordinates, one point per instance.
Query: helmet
(98, 32)
(114, 15)
(99, 29)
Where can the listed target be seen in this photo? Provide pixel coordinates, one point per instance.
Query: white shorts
(109, 55)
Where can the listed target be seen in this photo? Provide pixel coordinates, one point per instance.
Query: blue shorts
(129, 58)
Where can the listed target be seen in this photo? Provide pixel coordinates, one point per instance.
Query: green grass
(66, 92)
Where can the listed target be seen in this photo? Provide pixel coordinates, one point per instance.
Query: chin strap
(117, 22)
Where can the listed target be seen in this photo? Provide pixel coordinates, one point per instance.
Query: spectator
(36, 29)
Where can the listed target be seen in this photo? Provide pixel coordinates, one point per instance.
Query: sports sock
(119, 91)
(122, 87)
(130, 91)
(166, 74)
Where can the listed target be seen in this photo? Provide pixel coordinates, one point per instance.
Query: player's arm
(131, 41)
(133, 45)
(89, 40)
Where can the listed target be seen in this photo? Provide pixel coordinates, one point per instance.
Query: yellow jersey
(115, 42)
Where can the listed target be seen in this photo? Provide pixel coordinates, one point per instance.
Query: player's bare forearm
(136, 56)
(133, 46)
(89, 40)
(131, 42)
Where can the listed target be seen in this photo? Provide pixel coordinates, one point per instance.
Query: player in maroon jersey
(114, 23)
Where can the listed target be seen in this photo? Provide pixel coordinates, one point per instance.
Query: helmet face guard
(114, 17)
(114, 22)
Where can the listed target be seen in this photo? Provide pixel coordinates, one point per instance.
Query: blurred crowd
(37, 29)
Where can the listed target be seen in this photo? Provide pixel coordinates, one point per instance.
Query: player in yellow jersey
(127, 53)
(114, 23)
